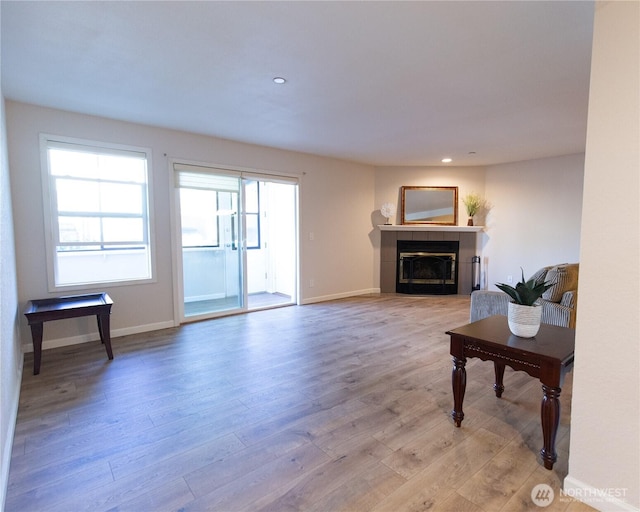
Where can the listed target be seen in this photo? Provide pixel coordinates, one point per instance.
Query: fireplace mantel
(430, 227)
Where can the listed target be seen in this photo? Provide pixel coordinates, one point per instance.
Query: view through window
(99, 215)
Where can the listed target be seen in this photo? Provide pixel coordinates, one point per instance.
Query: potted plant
(524, 311)
(472, 202)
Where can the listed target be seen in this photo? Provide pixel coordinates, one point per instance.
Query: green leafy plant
(473, 202)
(525, 293)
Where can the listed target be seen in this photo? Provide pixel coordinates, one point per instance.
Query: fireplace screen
(427, 268)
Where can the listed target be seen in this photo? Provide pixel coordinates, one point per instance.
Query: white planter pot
(524, 321)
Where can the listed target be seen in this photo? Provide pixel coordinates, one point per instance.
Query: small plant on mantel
(525, 293)
(473, 202)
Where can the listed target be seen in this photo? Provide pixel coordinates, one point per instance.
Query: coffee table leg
(459, 383)
(36, 336)
(498, 386)
(550, 416)
(104, 328)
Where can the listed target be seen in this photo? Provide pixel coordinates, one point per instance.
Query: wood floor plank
(240, 493)
(47, 488)
(434, 485)
(360, 457)
(412, 425)
(336, 406)
(421, 451)
(171, 451)
(360, 493)
(497, 481)
(457, 503)
(166, 498)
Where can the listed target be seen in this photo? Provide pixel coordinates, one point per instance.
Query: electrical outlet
(312, 283)
(509, 279)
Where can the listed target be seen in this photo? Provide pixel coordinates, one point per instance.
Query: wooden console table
(43, 310)
(548, 357)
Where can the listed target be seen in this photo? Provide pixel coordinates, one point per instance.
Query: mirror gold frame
(430, 205)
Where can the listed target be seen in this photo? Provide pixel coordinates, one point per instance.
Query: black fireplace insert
(427, 267)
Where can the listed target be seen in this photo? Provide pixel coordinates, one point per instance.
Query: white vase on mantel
(524, 321)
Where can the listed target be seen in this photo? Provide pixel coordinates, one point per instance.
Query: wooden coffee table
(58, 308)
(548, 357)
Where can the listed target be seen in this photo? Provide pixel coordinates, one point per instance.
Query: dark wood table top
(44, 308)
(552, 342)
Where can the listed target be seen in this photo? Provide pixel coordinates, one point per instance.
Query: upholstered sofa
(558, 303)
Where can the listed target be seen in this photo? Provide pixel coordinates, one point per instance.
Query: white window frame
(51, 212)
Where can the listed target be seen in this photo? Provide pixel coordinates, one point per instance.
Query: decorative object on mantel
(388, 210)
(429, 205)
(473, 202)
(524, 311)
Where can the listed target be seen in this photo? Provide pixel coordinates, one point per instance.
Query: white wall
(10, 355)
(535, 216)
(605, 416)
(336, 201)
(336, 204)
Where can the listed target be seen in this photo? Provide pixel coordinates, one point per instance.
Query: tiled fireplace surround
(390, 234)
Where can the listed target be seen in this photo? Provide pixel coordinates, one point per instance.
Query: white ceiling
(383, 83)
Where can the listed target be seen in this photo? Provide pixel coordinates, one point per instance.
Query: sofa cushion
(564, 279)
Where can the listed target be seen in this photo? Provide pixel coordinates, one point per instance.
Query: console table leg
(104, 328)
(550, 417)
(498, 387)
(36, 336)
(459, 383)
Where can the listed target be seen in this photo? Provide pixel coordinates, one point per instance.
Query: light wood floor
(338, 406)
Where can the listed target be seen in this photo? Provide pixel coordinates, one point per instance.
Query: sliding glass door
(210, 253)
(238, 241)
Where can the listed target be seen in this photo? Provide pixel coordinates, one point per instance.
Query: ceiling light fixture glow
(447, 160)
(279, 80)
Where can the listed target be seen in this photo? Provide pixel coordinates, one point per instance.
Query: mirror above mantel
(429, 205)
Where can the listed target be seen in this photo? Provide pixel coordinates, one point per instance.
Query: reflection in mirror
(430, 205)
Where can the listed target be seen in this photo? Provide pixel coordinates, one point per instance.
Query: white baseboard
(85, 338)
(325, 298)
(605, 500)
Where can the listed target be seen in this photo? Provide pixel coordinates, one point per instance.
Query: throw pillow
(539, 276)
(564, 278)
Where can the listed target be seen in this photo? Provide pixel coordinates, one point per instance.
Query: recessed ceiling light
(279, 80)
(447, 160)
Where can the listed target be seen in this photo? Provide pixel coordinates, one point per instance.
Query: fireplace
(427, 267)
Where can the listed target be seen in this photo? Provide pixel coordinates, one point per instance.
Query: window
(200, 224)
(98, 215)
